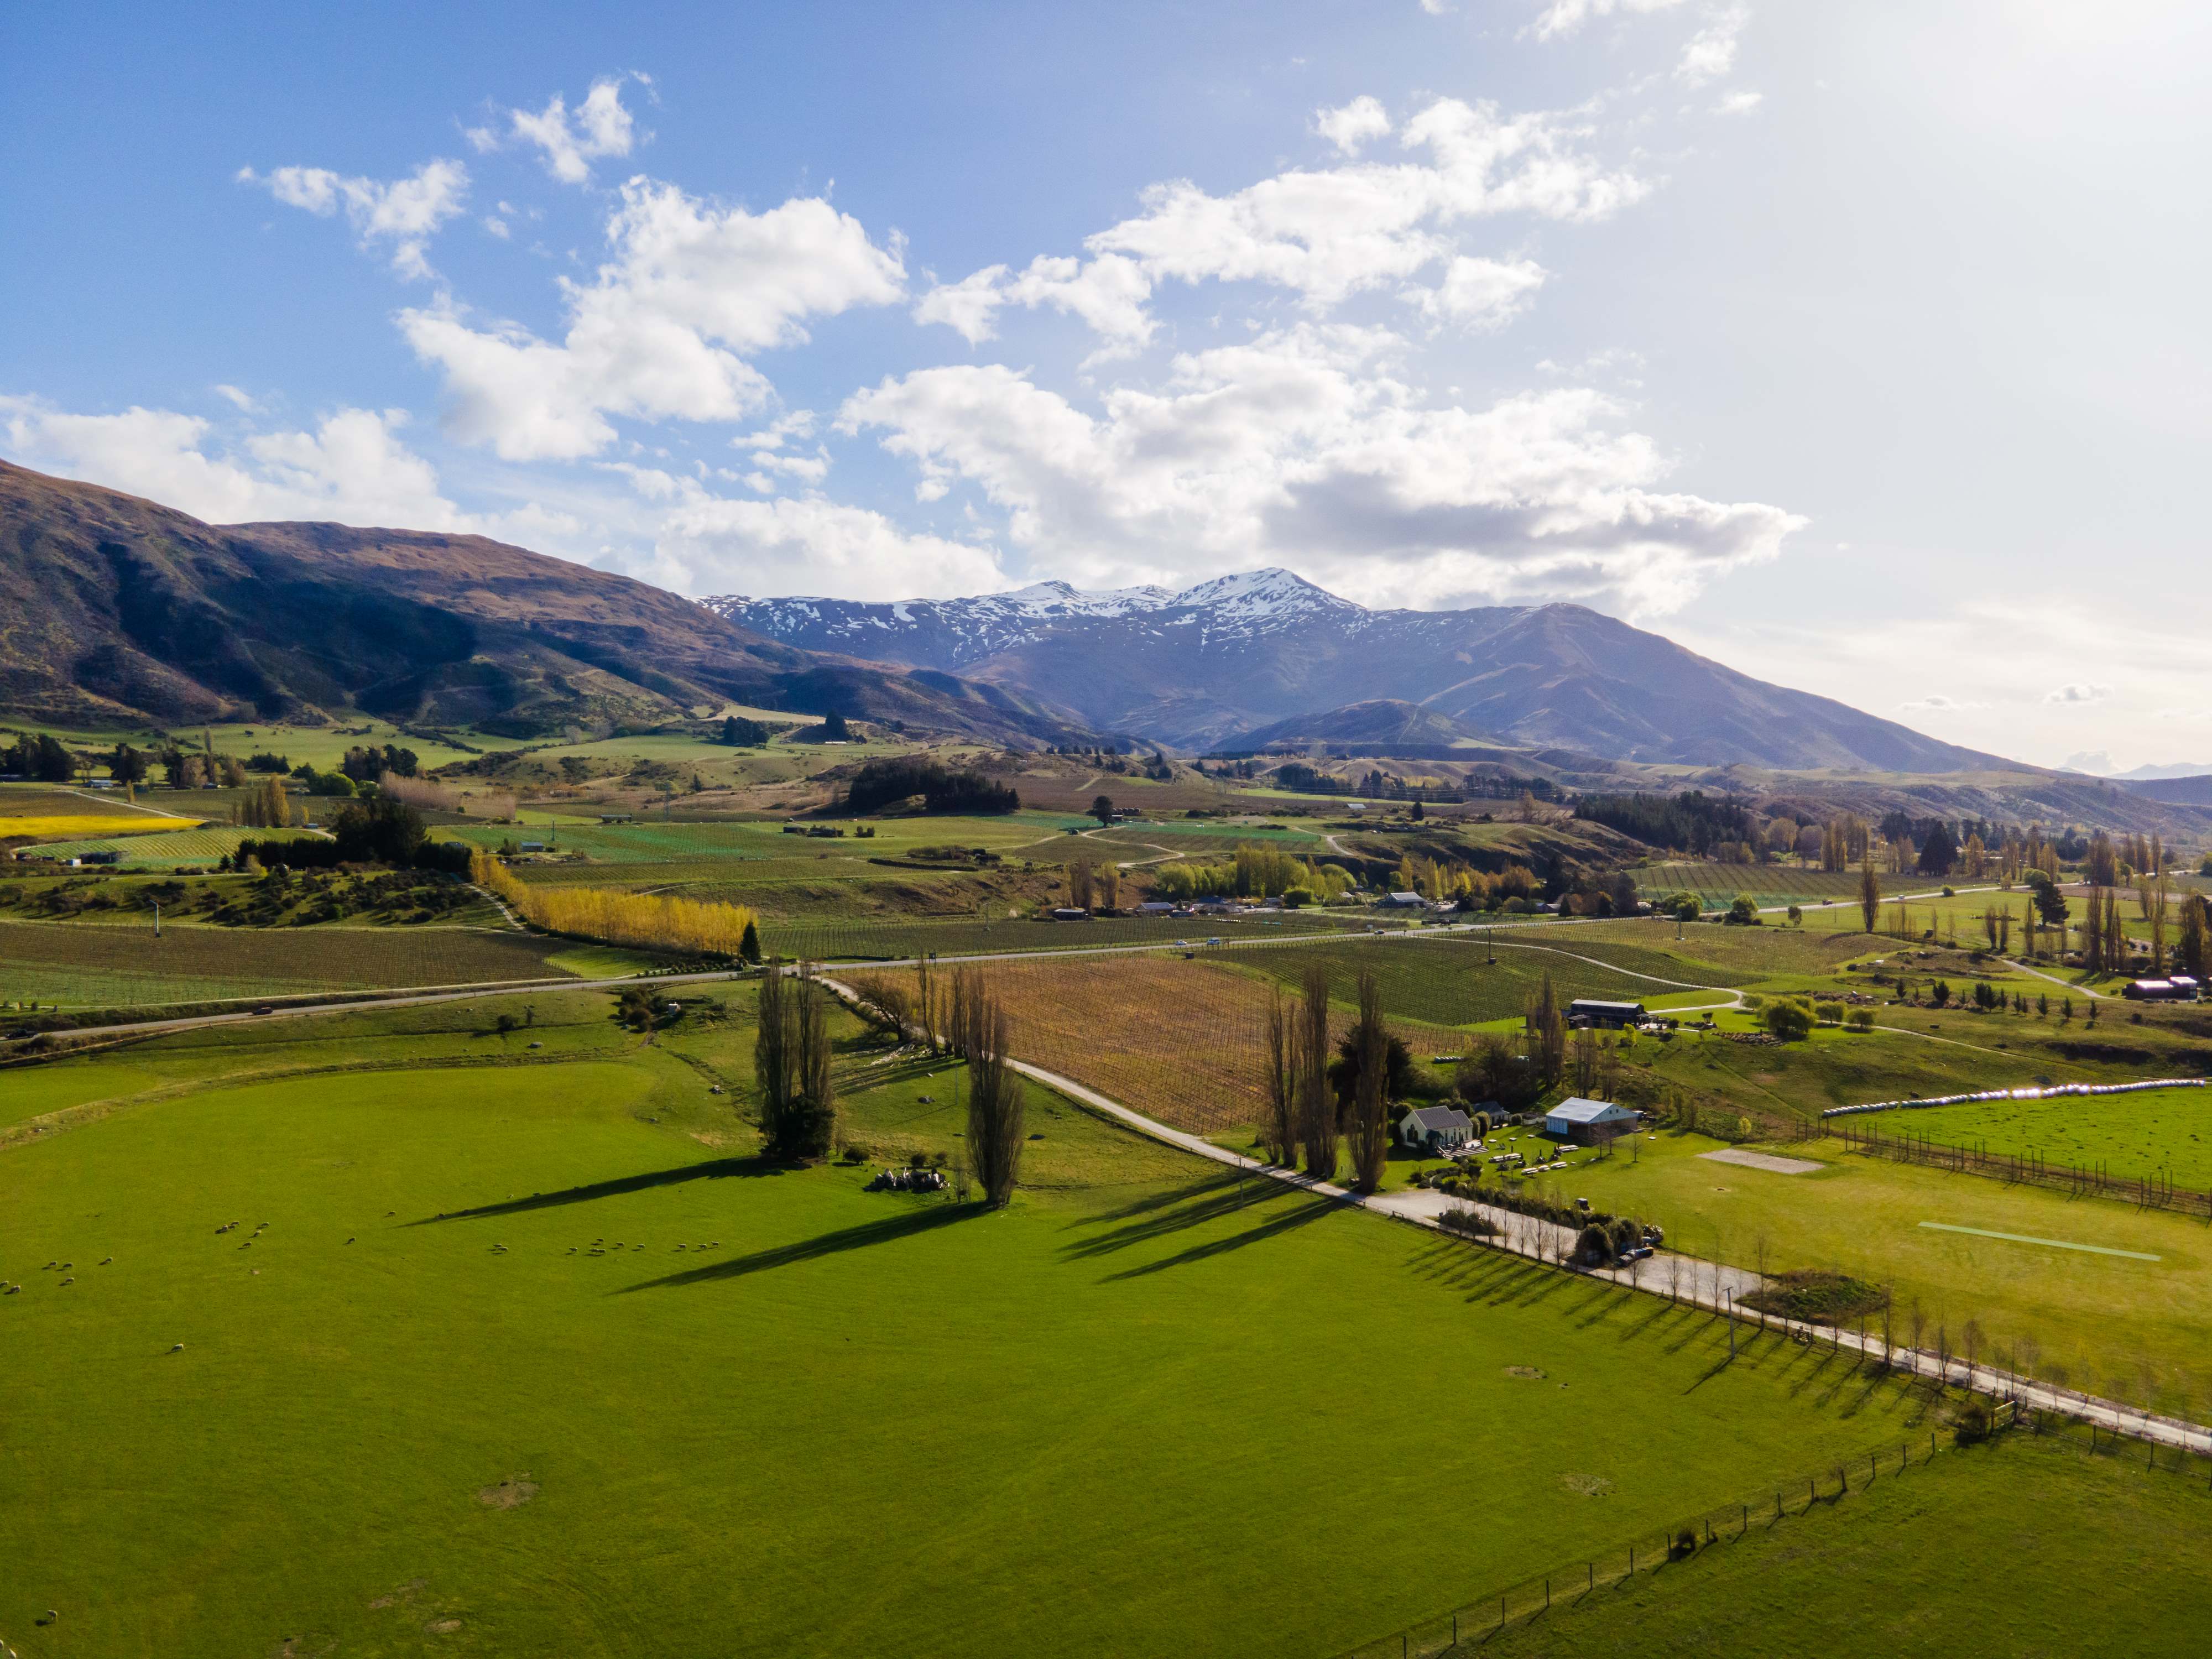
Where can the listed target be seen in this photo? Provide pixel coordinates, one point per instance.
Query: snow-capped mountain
(1199, 667)
(945, 633)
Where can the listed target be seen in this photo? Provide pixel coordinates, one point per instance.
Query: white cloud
(1326, 233)
(1739, 103)
(658, 332)
(1479, 293)
(237, 397)
(403, 213)
(1711, 50)
(711, 545)
(2076, 692)
(1561, 18)
(567, 141)
(1938, 704)
(1350, 125)
(351, 469)
(1299, 448)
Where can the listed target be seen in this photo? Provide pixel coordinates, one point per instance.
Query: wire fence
(1657, 1550)
(2150, 1192)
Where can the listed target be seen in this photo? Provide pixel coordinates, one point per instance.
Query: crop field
(2159, 1131)
(140, 848)
(605, 1356)
(1717, 884)
(1183, 1042)
(1449, 979)
(1897, 1568)
(86, 828)
(2133, 1329)
(1712, 951)
(886, 938)
(83, 965)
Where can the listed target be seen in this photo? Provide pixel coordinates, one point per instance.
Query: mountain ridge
(116, 611)
(1209, 666)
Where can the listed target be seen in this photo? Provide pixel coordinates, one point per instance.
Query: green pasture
(425, 1403)
(2129, 1329)
(86, 965)
(323, 746)
(2020, 1546)
(2157, 1132)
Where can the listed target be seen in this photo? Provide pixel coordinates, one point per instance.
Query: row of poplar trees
(959, 1014)
(1301, 1105)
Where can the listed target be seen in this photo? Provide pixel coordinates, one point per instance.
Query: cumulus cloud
(1479, 293)
(1711, 50)
(1324, 233)
(569, 140)
(352, 468)
(793, 545)
(1563, 17)
(1301, 447)
(1350, 125)
(663, 329)
(1739, 103)
(402, 214)
(2078, 691)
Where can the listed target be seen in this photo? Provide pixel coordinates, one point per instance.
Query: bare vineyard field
(1181, 1040)
(1717, 884)
(165, 847)
(85, 966)
(1720, 955)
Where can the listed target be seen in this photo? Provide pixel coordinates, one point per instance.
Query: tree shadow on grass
(1311, 1211)
(886, 1231)
(1188, 1207)
(713, 1169)
(1153, 1202)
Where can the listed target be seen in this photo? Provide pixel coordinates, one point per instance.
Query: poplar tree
(1371, 1128)
(1869, 893)
(1316, 1111)
(1280, 1131)
(997, 1112)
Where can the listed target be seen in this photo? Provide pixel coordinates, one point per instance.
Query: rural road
(1708, 1284)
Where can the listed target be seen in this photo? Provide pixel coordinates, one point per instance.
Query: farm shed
(1435, 1128)
(1588, 1121)
(2179, 988)
(1614, 1016)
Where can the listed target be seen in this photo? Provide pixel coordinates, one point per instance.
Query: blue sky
(1858, 347)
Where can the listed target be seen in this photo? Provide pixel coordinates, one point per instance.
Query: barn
(1612, 1015)
(1589, 1121)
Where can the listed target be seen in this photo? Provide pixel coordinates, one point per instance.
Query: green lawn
(1108, 1421)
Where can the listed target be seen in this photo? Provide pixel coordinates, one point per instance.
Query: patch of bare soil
(509, 1494)
(1530, 1371)
(404, 1593)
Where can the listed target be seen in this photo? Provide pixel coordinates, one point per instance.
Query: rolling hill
(115, 610)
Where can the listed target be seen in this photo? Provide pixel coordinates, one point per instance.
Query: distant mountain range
(2098, 764)
(1249, 659)
(115, 611)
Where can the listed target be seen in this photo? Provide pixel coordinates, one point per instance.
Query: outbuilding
(2179, 988)
(1611, 1015)
(1588, 1122)
(1435, 1129)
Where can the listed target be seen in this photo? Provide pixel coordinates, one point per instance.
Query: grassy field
(82, 965)
(1451, 980)
(1993, 1549)
(2159, 1132)
(515, 1358)
(2133, 1329)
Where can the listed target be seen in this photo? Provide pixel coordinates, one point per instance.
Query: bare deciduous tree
(1316, 1108)
(996, 1114)
(1371, 1126)
(1280, 1131)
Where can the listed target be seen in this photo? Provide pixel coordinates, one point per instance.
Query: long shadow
(716, 1169)
(886, 1231)
(1156, 1201)
(1222, 1201)
(1312, 1209)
